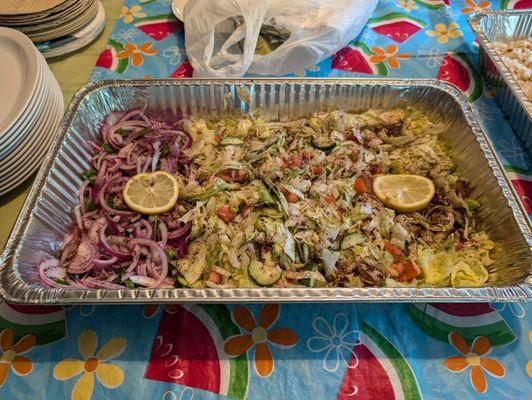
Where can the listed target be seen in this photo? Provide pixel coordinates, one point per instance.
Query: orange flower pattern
(473, 7)
(390, 56)
(260, 336)
(473, 357)
(11, 354)
(136, 53)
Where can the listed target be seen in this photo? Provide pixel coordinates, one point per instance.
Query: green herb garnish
(107, 148)
(89, 205)
(122, 132)
(472, 204)
(89, 175)
(145, 131)
(156, 229)
(170, 254)
(110, 201)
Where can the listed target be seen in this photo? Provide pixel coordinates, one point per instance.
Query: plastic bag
(217, 47)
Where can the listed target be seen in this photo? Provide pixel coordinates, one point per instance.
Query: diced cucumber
(352, 239)
(265, 196)
(303, 252)
(277, 194)
(231, 141)
(322, 143)
(181, 282)
(264, 274)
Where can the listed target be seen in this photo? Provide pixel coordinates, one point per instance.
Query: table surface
(344, 351)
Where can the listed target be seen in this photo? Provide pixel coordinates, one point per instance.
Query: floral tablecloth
(362, 351)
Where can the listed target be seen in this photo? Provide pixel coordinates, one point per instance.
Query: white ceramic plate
(18, 129)
(47, 133)
(18, 75)
(29, 170)
(31, 147)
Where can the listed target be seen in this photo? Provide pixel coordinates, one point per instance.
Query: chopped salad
(291, 204)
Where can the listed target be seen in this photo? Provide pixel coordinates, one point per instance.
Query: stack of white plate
(56, 26)
(31, 107)
(76, 40)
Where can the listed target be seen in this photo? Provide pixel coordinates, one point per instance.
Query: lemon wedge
(404, 193)
(151, 193)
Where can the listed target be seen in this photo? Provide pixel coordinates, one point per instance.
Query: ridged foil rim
(474, 21)
(18, 291)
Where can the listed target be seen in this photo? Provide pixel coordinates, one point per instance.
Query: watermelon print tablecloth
(363, 351)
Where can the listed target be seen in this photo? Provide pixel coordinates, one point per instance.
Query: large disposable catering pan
(47, 213)
(504, 26)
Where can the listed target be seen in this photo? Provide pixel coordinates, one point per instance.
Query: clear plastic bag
(221, 35)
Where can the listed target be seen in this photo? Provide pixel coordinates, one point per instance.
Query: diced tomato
(360, 186)
(316, 169)
(215, 276)
(340, 211)
(297, 161)
(291, 197)
(350, 136)
(225, 213)
(217, 138)
(329, 199)
(406, 270)
(307, 155)
(375, 169)
(284, 282)
(394, 250)
(240, 175)
(399, 267)
(245, 210)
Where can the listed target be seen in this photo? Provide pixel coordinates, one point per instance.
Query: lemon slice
(404, 192)
(151, 193)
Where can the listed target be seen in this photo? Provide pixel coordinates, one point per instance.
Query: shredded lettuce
(218, 187)
(468, 272)
(328, 222)
(329, 261)
(455, 268)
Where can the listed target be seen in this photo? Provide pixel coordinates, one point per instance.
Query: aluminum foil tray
(47, 213)
(504, 26)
